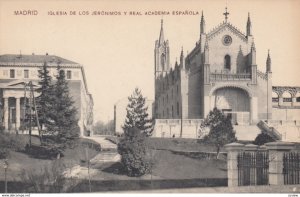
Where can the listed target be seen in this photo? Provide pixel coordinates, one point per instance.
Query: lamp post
(1, 111)
(5, 166)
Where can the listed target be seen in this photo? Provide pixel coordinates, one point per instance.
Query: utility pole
(30, 115)
(88, 162)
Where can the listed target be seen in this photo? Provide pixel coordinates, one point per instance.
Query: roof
(38, 60)
(223, 25)
(9, 58)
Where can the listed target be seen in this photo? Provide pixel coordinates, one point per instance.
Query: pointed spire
(268, 66)
(181, 55)
(161, 35)
(202, 24)
(253, 47)
(176, 63)
(249, 28)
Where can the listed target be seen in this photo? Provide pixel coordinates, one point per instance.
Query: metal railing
(253, 168)
(230, 76)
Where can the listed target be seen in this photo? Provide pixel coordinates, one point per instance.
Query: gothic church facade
(220, 71)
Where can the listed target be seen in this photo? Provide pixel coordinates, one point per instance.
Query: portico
(13, 111)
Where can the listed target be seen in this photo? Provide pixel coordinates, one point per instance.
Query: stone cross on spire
(226, 14)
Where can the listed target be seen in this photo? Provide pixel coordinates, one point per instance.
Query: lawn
(175, 144)
(19, 161)
(170, 170)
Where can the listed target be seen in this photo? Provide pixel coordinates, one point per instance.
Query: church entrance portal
(233, 102)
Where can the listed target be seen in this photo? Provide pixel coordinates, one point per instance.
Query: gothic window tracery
(162, 60)
(227, 62)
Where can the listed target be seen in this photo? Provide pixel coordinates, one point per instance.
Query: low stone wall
(169, 128)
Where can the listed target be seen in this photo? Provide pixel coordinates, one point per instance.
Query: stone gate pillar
(233, 150)
(276, 152)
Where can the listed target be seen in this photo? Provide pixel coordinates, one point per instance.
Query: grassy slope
(173, 166)
(19, 161)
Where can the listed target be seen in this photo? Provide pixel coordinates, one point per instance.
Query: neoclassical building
(18, 70)
(220, 71)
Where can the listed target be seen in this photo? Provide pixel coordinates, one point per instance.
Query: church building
(220, 71)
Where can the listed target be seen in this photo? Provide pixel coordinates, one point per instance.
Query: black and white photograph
(149, 97)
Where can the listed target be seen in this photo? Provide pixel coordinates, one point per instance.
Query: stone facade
(220, 71)
(16, 70)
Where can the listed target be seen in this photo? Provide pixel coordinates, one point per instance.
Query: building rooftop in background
(13, 58)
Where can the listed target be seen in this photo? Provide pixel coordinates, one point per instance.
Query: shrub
(263, 138)
(10, 142)
(44, 152)
(221, 129)
(132, 149)
(47, 179)
(4, 153)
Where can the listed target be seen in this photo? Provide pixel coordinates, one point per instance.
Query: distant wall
(286, 113)
(169, 128)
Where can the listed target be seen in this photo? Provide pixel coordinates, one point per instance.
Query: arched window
(227, 62)
(163, 60)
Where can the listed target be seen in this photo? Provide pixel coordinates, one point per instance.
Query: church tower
(161, 54)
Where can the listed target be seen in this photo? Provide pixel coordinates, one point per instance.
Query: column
(276, 152)
(18, 113)
(206, 106)
(233, 150)
(6, 113)
(280, 100)
(253, 109)
(294, 101)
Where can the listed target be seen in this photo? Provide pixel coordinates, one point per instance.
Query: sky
(117, 51)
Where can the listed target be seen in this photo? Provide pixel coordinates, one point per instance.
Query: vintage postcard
(149, 96)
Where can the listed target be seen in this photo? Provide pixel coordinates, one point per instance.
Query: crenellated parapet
(293, 100)
(279, 90)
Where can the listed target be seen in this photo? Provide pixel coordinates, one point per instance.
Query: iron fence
(253, 168)
(291, 168)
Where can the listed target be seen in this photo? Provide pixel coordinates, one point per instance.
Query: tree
(221, 129)
(63, 117)
(104, 128)
(132, 149)
(45, 100)
(263, 138)
(137, 115)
